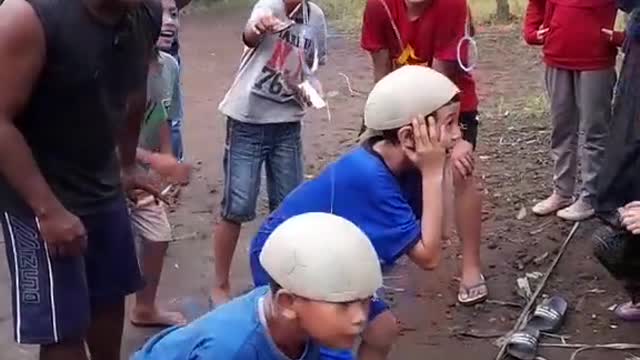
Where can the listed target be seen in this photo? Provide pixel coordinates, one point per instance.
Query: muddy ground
(513, 153)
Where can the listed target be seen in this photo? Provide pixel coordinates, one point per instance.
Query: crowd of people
(93, 128)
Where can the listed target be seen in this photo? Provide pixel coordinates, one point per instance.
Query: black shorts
(469, 127)
(52, 297)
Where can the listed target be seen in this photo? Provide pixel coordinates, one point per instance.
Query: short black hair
(391, 135)
(274, 286)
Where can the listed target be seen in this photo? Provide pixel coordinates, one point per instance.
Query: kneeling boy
(393, 187)
(322, 274)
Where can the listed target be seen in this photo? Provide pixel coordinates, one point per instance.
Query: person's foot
(578, 211)
(628, 312)
(154, 317)
(219, 296)
(551, 205)
(473, 290)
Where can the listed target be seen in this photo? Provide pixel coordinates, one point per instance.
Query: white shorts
(150, 221)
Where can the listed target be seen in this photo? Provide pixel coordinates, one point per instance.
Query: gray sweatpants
(580, 105)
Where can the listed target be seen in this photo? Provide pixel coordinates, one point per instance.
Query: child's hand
(268, 23)
(168, 167)
(542, 34)
(462, 157)
(429, 153)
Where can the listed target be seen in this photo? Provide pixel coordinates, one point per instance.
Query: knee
(382, 333)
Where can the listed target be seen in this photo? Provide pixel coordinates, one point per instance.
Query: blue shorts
(248, 146)
(52, 298)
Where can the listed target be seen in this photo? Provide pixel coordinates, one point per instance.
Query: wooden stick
(527, 309)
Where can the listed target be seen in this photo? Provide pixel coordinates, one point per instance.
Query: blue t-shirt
(234, 331)
(385, 207)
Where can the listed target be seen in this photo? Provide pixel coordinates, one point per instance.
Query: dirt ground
(513, 153)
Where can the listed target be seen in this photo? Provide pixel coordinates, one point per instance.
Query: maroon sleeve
(533, 20)
(374, 23)
(453, 16)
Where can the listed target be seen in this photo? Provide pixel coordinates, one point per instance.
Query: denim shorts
(247, 148)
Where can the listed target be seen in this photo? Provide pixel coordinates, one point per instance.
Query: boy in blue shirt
(396, 187)
(322, 273)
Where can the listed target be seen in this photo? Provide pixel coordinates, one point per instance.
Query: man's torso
(79, 101)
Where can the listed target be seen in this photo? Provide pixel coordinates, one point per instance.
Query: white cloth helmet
(410, 91)
(322, 257)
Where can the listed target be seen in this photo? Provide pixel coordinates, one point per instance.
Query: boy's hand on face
(429, 153)
(462, 157)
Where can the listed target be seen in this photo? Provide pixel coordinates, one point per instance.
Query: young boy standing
(394, 187)
(580, 54)
(284, 40)
(428, 32)
(322, 273)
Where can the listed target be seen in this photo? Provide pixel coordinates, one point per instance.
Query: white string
(473, 46)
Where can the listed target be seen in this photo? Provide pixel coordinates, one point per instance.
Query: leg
(50, 298)
(104, 339)
(152, 227)
(379, 336)
(284, 163)
(242, 161)
(468, 216)
(595, 92)
(564, 139)
(112, 274)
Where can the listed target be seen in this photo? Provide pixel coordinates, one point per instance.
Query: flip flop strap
(523, 339)
(547, 313)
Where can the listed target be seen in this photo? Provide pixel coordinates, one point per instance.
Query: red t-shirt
(434, 35)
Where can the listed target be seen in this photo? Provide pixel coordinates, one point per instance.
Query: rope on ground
(527, 309)
(585, 347)
(352, 91)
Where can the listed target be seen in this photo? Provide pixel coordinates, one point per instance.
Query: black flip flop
(549, 315)
(523, 345)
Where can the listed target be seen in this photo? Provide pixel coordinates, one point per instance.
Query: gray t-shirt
(162, 103)
(259, 93)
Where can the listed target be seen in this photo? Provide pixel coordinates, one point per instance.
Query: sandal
(472, 295)
(523, 344)
(628, 312)
(549, 315)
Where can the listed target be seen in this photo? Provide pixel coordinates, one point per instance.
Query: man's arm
(375, 23)
(22, 55)
(533, 22)
(381, 64)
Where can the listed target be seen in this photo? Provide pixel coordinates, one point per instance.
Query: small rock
(492, 246)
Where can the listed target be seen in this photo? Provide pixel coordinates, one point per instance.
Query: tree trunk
(503, 14)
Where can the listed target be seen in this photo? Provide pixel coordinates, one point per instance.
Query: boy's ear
(285, 304)
(405, 137)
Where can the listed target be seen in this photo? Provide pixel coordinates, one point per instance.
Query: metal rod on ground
(532, 301)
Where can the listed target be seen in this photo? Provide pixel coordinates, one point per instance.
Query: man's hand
(542, 34)
(63, 233)
(462, 157)
(428, 153)
(630, 216)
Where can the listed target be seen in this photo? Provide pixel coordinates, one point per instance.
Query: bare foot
(220, 296)
(155, 317)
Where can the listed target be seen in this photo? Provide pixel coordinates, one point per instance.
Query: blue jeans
(176, 120)
(249, 146)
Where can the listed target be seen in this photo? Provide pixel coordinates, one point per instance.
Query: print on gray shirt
(259, 93)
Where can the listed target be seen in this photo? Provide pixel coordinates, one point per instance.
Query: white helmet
(322, 257)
